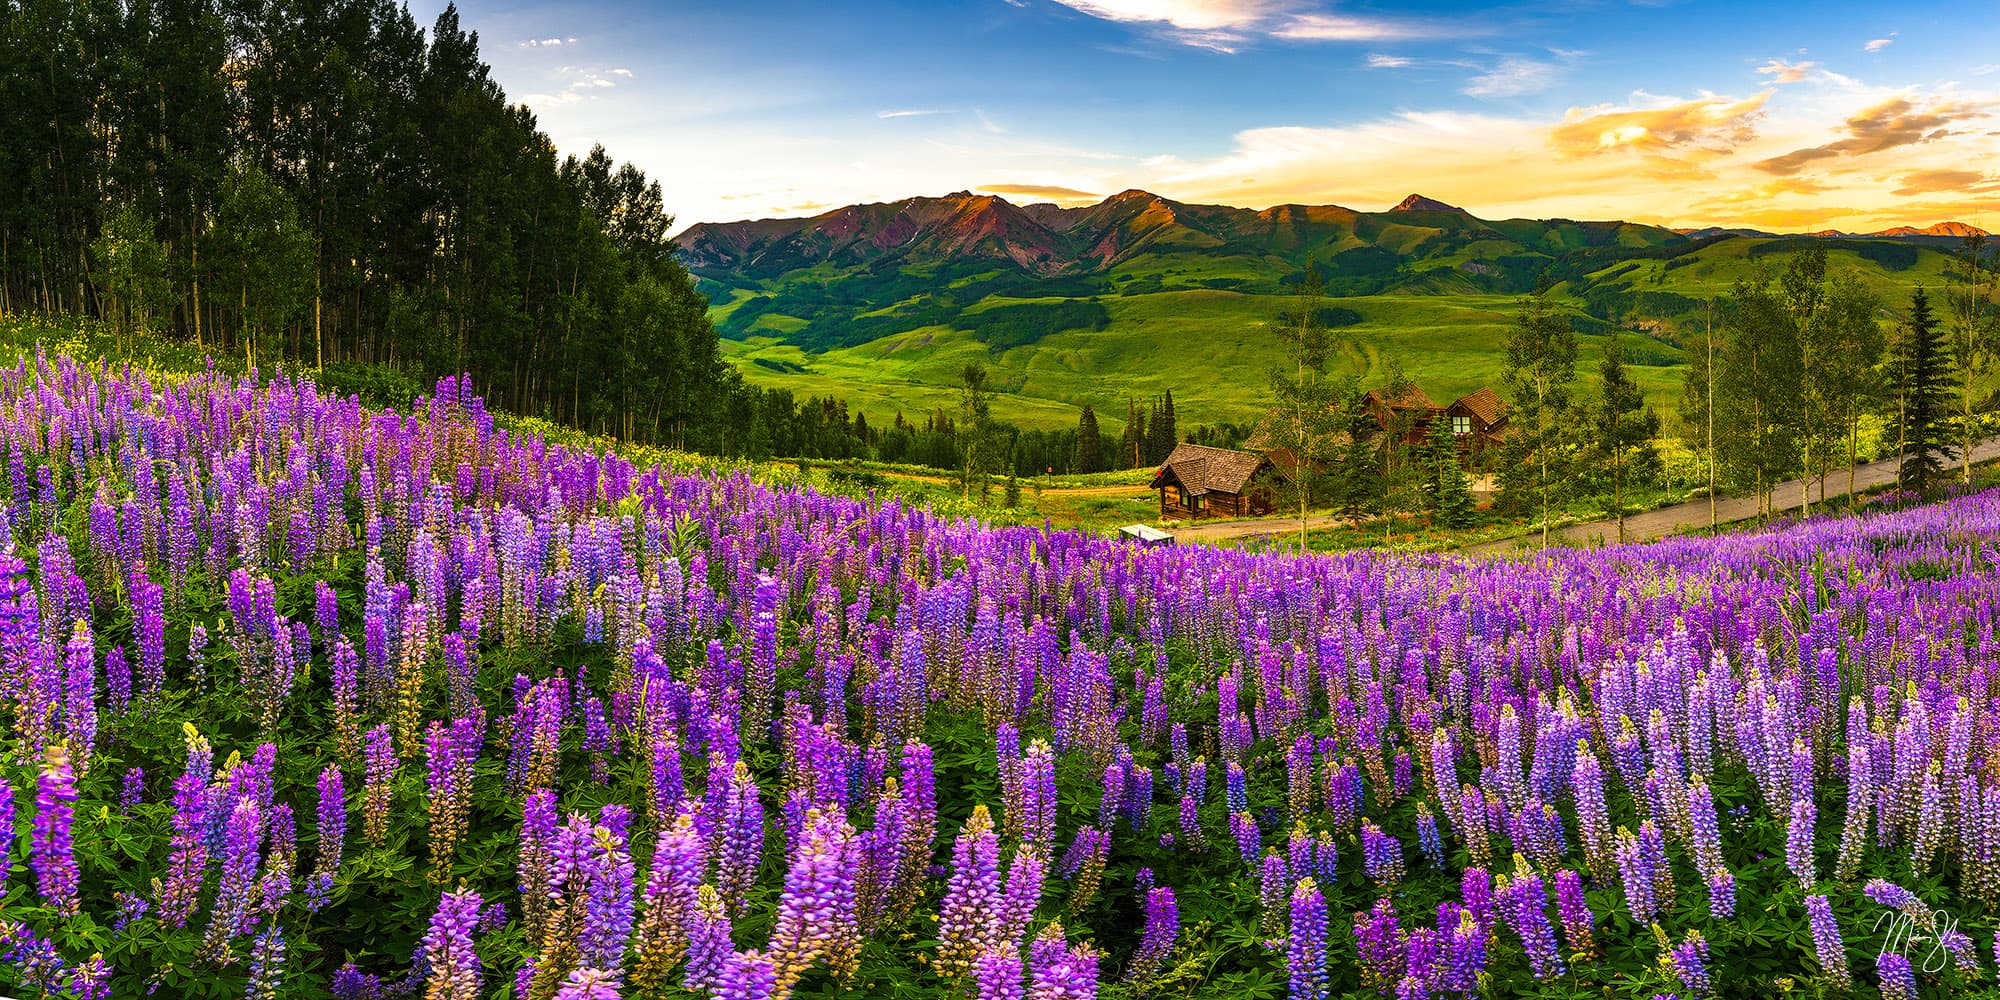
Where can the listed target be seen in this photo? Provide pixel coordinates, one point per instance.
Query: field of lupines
(307, 700)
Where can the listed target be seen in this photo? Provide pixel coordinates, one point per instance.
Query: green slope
(1139, 295)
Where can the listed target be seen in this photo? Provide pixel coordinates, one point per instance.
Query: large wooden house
(1478, 420)
(1197, 481)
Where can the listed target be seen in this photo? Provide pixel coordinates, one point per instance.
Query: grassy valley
(1139, 295)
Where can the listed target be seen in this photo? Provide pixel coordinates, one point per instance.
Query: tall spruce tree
(1923, 367)
(1447, 493)
(1089, 455)
(1538, 460)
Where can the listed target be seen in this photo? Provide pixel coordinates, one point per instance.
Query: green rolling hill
(882, 304)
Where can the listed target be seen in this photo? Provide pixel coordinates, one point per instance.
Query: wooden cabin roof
(1201, 469)
(1484, 404)
(1413, 399)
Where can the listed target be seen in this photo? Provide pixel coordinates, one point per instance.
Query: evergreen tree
(1447, 492)
(1537, 461)
(1169, 435)
(1357, 487)
(1088, 458)
(327, 183)
(1924, 383)
(1622, 429)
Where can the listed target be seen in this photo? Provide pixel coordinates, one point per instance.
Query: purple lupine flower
(1475, 887)
(1273, 904)
(1722, 895)
(1899, 981)
(1525, 901)
(1826, 940)
(131, 790)
(709, 943)
(379, 787)
(1799, 841)
(741, 845)
(1688, 962)
(1156, 942)
(1382, 855)
(1305, 946)
(267, 964)
(817, 915)
(1890, 894)
(448, 951)
(1378, 935)
(590, 984)
(131, 907)
(1465, 954)
(608, 894)
(1638, 871)
(747, 976)
(187, 859)
(1038, 796)
(50, 853)
(1574, 912)
(332, 817)
(967, 924)
(149, 632)
(1428, 838)
(996, 975)
(350, 983)
(234, 895)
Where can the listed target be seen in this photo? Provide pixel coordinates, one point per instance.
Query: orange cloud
(1898, 121)
(1051, 191)
(1918, 182)
(1781, 71)
(1715, 124)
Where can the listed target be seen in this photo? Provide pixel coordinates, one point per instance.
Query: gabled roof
(1200, 469)
(1412, 399)
(1484, 404)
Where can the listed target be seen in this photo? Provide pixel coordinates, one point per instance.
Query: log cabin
(1197, 481)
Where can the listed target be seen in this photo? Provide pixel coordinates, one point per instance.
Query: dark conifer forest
(325, 182)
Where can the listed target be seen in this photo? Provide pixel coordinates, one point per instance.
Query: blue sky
(1833, 114)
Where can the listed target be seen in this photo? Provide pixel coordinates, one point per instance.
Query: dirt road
(1667, 520)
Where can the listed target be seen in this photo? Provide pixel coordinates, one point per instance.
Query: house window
(1461, 425)
(1174, 495)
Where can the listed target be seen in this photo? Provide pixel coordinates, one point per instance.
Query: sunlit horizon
(1842, 116)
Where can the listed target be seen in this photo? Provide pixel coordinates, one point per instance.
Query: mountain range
(1048, 240)
(882, 304)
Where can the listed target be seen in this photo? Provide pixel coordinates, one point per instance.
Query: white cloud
(1342, 28)
(547, 43)
(1229, 25)
(1377, 60)
(1878, 44)
(1512, 78)
(621, 71)
(911, 112)
(1781, 71)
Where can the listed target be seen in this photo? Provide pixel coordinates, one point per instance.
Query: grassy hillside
(1140, 295)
